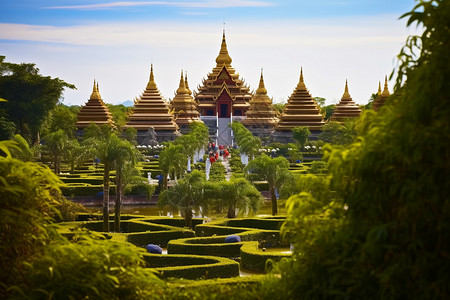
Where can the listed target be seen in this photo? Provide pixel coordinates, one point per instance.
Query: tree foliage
(273, 170)
(238, 193)
(386, 238)
(27, 202)
(247, 143)
(30, 96)
(301, 134)
(186, 195)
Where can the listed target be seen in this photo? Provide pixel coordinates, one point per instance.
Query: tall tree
(110, 149)
(273, 170)
(173, 161)
(56, 144)
(387, 237)
(247, 143)
(30, 96)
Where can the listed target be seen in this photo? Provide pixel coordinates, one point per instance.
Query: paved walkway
(226, 164)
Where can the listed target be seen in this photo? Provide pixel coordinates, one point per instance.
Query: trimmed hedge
(254, 259)
(205, 246)
(85, 189)
(177, 222)
(192, 266)
(161, 238)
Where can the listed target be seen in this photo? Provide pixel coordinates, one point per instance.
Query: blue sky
(115, 42)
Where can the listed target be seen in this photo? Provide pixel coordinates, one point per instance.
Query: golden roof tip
(182, 87)
(379, 88)
(186, 83)
(386, 90)
(261, 89)
(346, 93)
(93, 89)
(223, 57)
(151, 82)
(301, 74)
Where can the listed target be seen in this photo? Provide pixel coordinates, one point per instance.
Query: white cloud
(186, 4)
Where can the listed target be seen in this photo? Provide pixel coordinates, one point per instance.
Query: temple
(382, 96)
(300, 110)
(346, 108)
(184, 106)
(261, 119)
(151, 113)
(222, 94)
(94, 111)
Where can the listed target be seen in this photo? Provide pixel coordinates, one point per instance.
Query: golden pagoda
(261, 118)
(94, 111)
(300, 110)
(346, 108)
(382, 96)
(151, 112)
(223, 93)
(184, 106)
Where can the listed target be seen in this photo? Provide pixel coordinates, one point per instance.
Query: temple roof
(382, 96)
(94, 111)
(346, 108)
(300, 110)
(223, 79)
(151, 110)
(185, 108)
(260, 112)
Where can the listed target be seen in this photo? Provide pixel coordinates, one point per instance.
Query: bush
(253, 258)
(192, 266)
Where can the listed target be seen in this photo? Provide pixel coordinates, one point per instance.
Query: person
(217, 156)
(212, 159)
(226, 153)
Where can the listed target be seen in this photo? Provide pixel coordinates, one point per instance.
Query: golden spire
(261, 89)
(379, 88)
(301, 83)
(223, 58)
(186, 83)
(386, 90)
(151, 83)
(95, 93)
(182, 88)
(346, 94)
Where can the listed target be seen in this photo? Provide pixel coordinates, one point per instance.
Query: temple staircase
(224, 131)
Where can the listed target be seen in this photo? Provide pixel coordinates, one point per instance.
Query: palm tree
(236, 193)
(111, 150)
(125, 174)
(56, 143)
(186, 195)
(274, 170)
(173, 161)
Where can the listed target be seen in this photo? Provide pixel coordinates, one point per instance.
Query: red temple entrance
(224, 105)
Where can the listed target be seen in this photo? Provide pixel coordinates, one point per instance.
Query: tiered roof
(346, 108)
(382, 96)
(94, 111)
(300, 110)
(223, 82)
(261, 112)
(185, 108)
(151, 110)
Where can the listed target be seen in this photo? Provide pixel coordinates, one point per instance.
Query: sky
(115, 42)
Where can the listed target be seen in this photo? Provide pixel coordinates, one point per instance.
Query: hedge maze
(199, 254)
